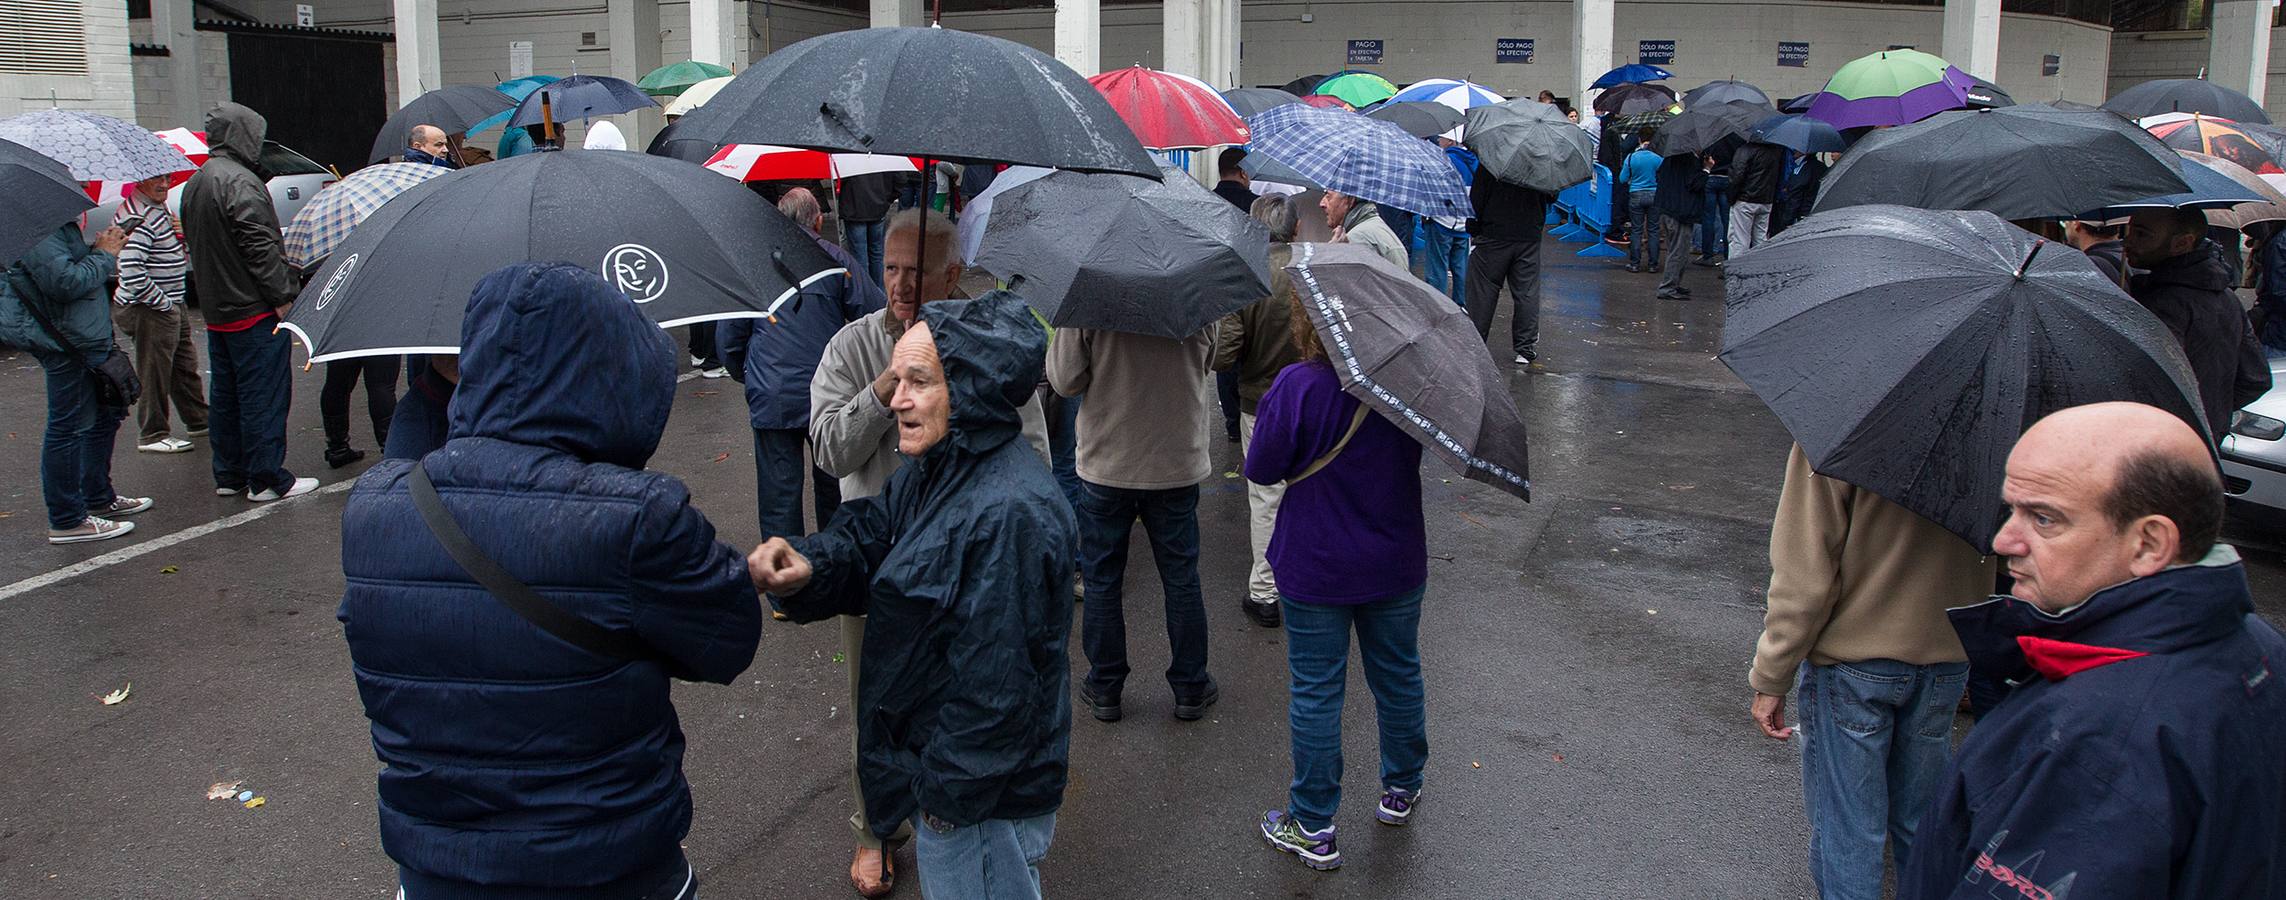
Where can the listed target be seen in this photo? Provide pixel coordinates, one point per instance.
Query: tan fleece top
(1143, 425)
(1855, 577)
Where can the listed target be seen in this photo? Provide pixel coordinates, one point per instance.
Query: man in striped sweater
(154, 269)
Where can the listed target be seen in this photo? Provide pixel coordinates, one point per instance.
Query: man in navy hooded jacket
(2140, 755)
(516, 764)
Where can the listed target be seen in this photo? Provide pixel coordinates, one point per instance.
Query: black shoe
(1634, 268)
(1191, 710)
(1263, 612)
(343, 456)
(1105, 708)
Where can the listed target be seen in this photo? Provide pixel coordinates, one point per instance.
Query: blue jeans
(1714, 223)
(75, 454)
(1643, 230)
(863, 240)
(1875, 738)
(1317, 659)
(996, 859)
(1444, 259)
(1171, 520)
(253, 386)
(778, 468)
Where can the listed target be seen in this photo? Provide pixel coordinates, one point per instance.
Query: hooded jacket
(2192, 294)
(235, 246)
(512, 758)
(2141, 761)
(774, 358)
(64, 277)
(962, 566)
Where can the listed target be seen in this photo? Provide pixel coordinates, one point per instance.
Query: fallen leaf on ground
(170, 570)
(4, 515)
(119, 696)
(1559, 757)
(221, 789)
(721, 456)
(1473, 764)
(1230, 474)
(255, 803)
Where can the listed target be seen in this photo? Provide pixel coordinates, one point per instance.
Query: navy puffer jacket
(513, 759)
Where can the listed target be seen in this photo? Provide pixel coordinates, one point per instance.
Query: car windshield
(279, 161)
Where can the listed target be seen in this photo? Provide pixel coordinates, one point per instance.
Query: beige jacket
(1144, 423)
(1364, 226)
(853, 436)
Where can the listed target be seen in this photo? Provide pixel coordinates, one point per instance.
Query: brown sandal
(873, 885)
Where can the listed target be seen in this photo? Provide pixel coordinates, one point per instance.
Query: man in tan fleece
(1858, 592)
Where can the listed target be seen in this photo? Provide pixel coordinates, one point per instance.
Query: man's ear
(2157, 542)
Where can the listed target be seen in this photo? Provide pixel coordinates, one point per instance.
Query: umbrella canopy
(670, 144)
(1169, 111)
(928, 92)
(764, 162)
(2030, 161)
(193, 147)
(684, 243)
(1890, 87)
(1798, 132)
(1248, 101)
(672, 79)
(2218, 137)
(1529, 143)
(1260, 167)
(1629, 99)
(1460, 95)
(1357, 88)
(1121, 253)
(1410, 354)
(1698, 129)
(976, 215)
(2238, 216)
(1328, 101)
(1983, 94)
(1907, 349)
(1303, 86)
(580, 97)
(328, 218)
(2271, 138)
(1714, 92)
(1419, 119)
(454, 109)
(1632, 73)
(2186, 95)
(2217, 186)
(1634, 122)
(95, 147)
(37, 195)
(518, 88)
(696, 96)
(1361, 157)
(1798, 103)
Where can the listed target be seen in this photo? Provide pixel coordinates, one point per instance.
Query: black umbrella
(1629, 99)
(2186, 95)
(670, 144)
(2029, 161)
(580, 97)
(1714, 92)
(686, 244)
(927, 92)
(1305, 85)
(1410, 354)
(37, 195)
(1907, 349)
(1703, 126)
(1419, 119)
(1248, 101)
(1122, 253)
(1986, 95)
(452, 109)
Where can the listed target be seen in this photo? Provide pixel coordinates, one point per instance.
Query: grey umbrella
(580, 97)
(1121, 253)
(1249, 101)
(1529, 143)
(37, 194)
(1419, 119)
(1907, 349)
(1704, 126)
(2190, 95)
(95, 147)
(1409, 353)
(1725, 91)
(2028, 161)
(452, 109)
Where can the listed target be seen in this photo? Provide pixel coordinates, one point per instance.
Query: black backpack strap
(518, 596)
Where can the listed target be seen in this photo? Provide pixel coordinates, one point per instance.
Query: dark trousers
(1171, 520)
(702, 345)
(778, 467)
(1515, 264)
(380, 374)
(252, 390)
(167, 362)
(75, 454)
(1226, 391)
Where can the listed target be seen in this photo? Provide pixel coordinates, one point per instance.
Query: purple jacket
(1352, 532)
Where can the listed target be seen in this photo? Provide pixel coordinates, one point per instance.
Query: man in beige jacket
(1257, 343)
(1858, 592)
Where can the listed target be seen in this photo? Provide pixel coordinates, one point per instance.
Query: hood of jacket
(236, 132)
(604, 136)
(994, 351)
(2178, 608)
(553, 356)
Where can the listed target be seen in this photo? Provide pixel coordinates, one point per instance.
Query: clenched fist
(777, 568)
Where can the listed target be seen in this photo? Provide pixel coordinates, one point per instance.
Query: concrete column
(1972, 37)
(1591, 45)
(420, 67)
(899, 14)
(1219, 33)
(634, 53)
(1079, 35)
(172, 25)
(713, 33)
(2238, 45)
(1233, 40)
(1183, 45)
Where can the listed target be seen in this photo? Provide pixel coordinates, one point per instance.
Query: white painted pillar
(634, 53)
(1591, 45)
(420, 67)
(1219, 33)
(172, 24)
(713, 33)
(2238, 45)
(899, 14)
(1181, 43)
(1079, 35)
(1972, 37)
(1233, 40)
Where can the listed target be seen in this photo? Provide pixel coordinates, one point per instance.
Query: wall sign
(1794, 54)
(305, 15)
(2051, 64)
(519, 58)
(1512, 50)
(1364, 51)
(1655, 53)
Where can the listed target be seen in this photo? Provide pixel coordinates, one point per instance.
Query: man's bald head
(2102, 494)
(428, 139)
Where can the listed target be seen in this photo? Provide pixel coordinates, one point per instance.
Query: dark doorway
(323, 96)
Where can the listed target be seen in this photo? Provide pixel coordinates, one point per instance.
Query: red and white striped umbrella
(191, 143)
(768, 162)
(1169, 111)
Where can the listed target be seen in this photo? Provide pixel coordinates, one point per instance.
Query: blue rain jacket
(774, 359)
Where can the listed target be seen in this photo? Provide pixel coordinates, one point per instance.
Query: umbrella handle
(547, 119)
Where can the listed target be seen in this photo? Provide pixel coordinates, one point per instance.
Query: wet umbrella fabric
(1328, 101)
(518, 88)
(37, 195)
(454, 109)
(1357, 89)
(2005, 161)
(1460, 95)
(1121, 253)
(2217, 185)
(1632, 73)
(580, 97)
(95, 147)
(1168, 111)
(2219, 137)
(1799, 133)
(1911, 370)
(670, 144)
(685, 244)
(927, 92)
(1714, 92)
(976, 215)
(1698, 129)
(1983, 94)
(1419, 119)
(696, 96)
(2186, 95)
(327, 219)
(672, 79)
(1890, 87)
(1529, 143)
(1629, 99)
(1248, 101)
(1411, 354)
(1362, 157)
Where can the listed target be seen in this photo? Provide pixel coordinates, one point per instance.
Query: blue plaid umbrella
(96, 147)
(328, 217)
(1365, 158)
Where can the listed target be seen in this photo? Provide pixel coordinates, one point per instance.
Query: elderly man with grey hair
(1257, 343)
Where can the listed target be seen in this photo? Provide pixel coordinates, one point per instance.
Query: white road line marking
(161, 542)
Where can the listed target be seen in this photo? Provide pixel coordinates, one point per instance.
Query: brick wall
(109, 86)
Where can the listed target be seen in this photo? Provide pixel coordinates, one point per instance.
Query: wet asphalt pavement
(1585, 656)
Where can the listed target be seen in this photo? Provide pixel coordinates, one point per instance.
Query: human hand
(885, 386)
(1770, 715)
(285, 308)
(778, 568)
(111, 240)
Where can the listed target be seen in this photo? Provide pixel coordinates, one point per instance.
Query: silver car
(294, 179)
(2254, 452)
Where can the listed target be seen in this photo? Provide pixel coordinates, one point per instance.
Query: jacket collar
(2178, 608)
(1359, 213)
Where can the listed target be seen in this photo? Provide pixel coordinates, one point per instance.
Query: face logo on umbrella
(341, 275)
(636, 271)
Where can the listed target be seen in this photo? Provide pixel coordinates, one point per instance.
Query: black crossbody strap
(518, 596)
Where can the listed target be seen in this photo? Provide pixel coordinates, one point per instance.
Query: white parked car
(2254, 452)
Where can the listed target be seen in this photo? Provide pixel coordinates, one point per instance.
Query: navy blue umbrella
(581, 97)
(37, 196)
(2211, 188)
(1799, 133)
(1635, 73)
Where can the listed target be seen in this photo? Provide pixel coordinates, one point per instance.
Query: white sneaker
(300, 486)
(165, 445)
(94, 529)
(1523, 360)
(228, 492)
(697, 361)
(123, 506)
(716, 372)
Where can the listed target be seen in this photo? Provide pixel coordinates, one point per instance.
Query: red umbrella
(1169, 111)
(765, 162)
(1328, 101)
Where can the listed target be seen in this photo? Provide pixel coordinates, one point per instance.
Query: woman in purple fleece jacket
(1350, 553)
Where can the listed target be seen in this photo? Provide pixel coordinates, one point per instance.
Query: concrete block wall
(2137, 58)
(155, 85)
(107, 88)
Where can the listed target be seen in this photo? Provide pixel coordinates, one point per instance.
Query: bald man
(429, 144)
(2140, 753)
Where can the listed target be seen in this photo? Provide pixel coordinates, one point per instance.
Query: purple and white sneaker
(1396, 805)
(1316, 848)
